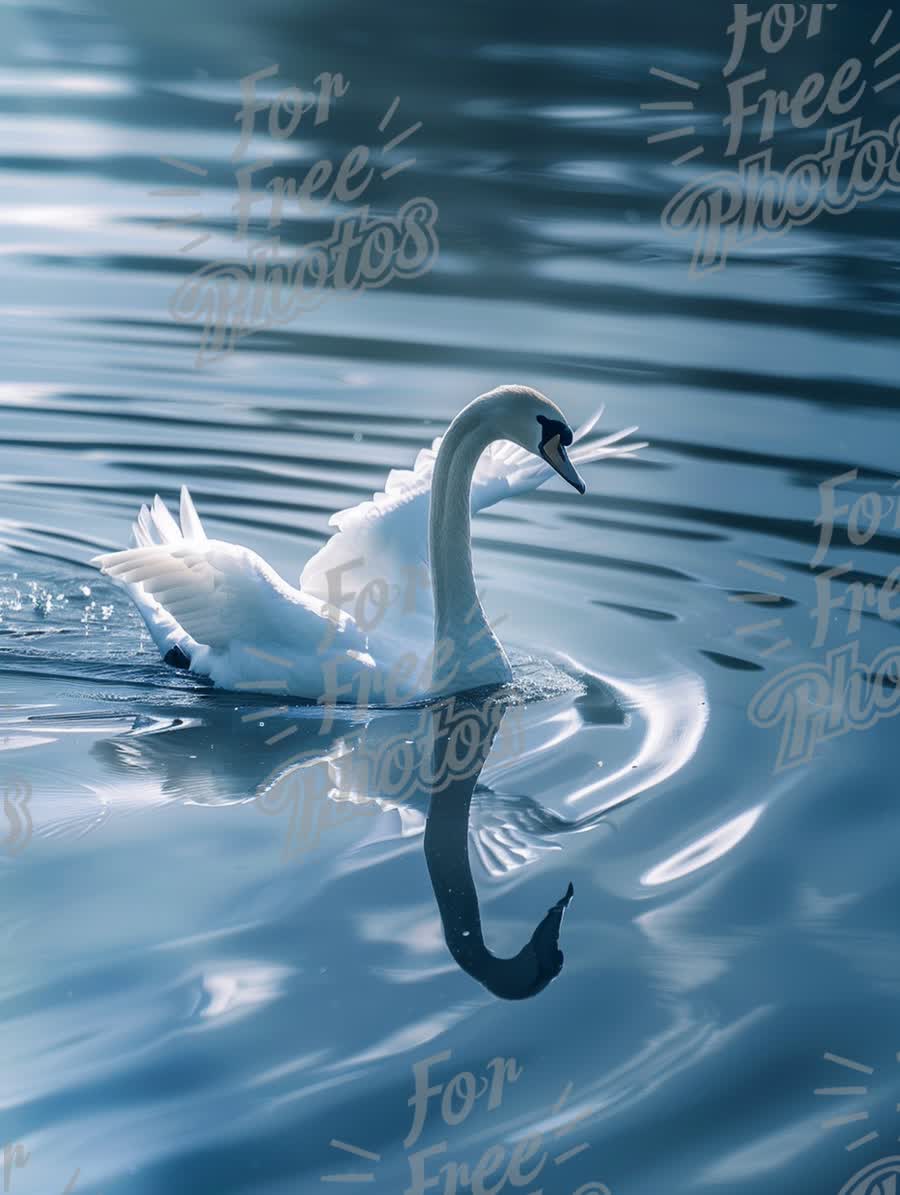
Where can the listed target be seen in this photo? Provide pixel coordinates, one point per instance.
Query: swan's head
(532, 421)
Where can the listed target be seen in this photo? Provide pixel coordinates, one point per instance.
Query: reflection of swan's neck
(460, 624)
(446, 852)
(447, 856)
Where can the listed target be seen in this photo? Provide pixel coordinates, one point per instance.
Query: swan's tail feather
(155, 528)
(155, 525)
(191, 527)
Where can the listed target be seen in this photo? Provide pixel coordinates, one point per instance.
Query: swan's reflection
(424, 763)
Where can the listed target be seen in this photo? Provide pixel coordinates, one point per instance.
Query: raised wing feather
(212, 589)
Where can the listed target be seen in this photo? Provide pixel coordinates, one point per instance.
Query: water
(208, 982)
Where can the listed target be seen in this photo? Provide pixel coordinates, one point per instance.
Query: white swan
(220, 610)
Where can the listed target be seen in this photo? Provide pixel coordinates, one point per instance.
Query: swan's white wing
(211, 593)
(382, 544)
(384, 541)
(154, 525)
(219, 593)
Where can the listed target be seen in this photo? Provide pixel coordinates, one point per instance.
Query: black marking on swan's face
(556, 436)
(554, 427)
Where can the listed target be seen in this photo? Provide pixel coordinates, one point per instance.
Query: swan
(221, 611)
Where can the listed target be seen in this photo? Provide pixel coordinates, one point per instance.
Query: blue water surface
(237, 957)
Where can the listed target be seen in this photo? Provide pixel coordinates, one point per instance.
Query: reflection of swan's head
(531, 420)
(540, 961)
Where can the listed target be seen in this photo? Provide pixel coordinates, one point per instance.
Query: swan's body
(401, 561)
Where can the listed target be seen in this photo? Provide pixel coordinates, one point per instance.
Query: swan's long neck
(461, 629)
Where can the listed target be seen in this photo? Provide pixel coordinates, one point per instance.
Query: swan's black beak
(554, 441)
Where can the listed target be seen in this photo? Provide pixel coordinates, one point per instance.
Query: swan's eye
(554, 427)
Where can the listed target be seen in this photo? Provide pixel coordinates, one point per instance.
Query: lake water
(233, 956)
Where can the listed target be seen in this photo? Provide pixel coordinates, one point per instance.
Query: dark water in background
(194, 1000)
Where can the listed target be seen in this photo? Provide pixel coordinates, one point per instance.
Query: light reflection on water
(196, 995)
